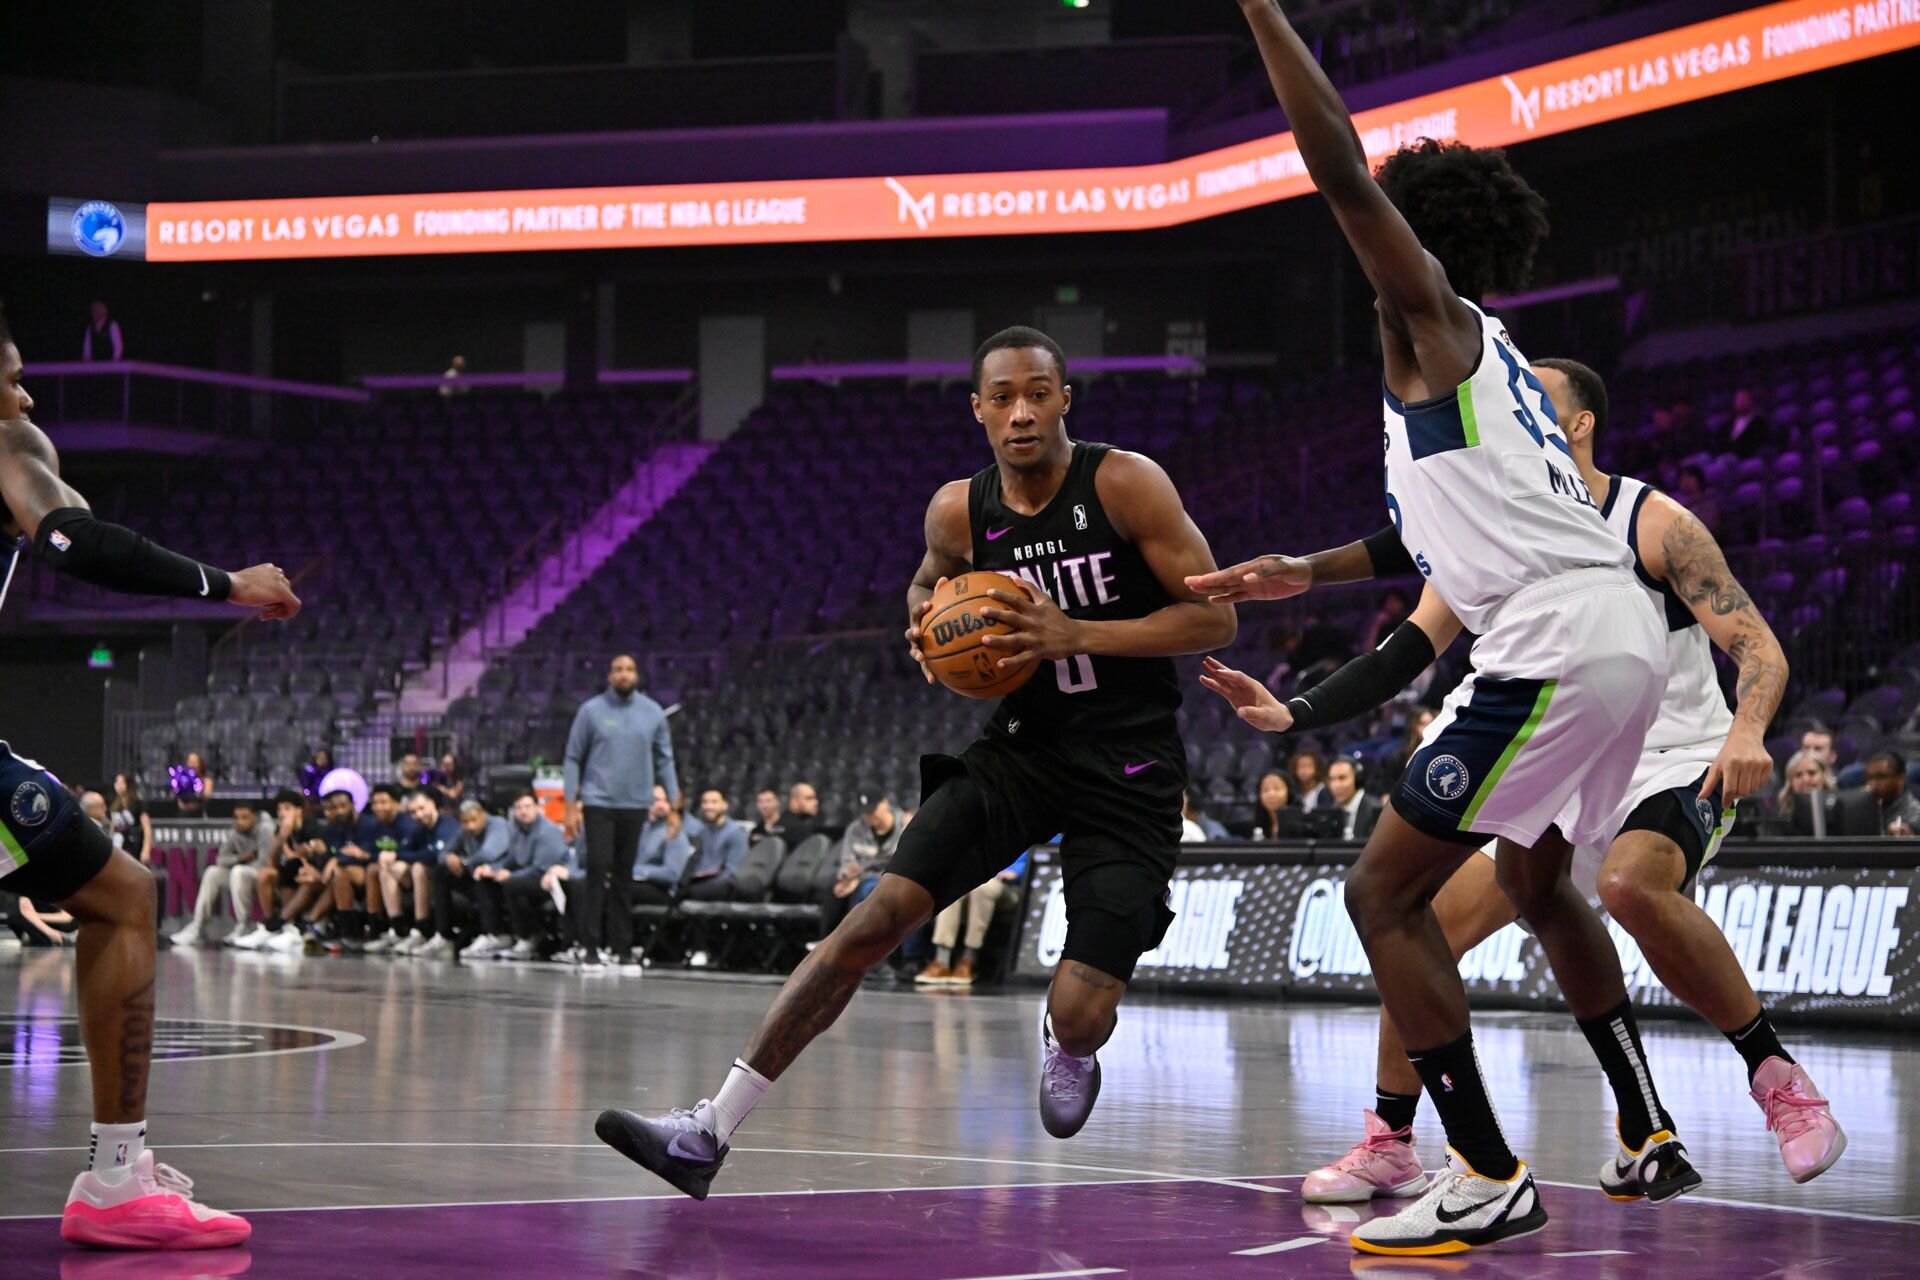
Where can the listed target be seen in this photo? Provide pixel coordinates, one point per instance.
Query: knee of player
(1628, 894)
(1370, 902)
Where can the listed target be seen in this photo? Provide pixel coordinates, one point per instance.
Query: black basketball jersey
(1071, 552)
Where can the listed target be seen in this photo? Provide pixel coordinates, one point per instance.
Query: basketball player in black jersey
(1088, 748)
(49, 853)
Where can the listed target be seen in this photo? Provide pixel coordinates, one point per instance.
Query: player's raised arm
(1680, 549)
(949, 552)
(1414, 293)
(1278, 577)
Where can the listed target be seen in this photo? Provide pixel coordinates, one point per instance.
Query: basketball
(951, 637)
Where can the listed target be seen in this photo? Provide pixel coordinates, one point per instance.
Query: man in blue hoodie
(393, 828)
(434, 836)
(620, 747)
(534, 847)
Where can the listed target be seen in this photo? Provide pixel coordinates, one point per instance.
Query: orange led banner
(1688, 64)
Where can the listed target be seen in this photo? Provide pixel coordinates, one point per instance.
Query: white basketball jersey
(1484, 490)
(1693, 710)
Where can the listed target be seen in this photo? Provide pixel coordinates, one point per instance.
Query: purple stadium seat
(1853, 513)
(1865, 454)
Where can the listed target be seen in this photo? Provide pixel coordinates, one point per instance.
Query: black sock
(402, 927)
(1615, 1038)
(1452, 1076)
(1757, 1042)
(1396, 1109)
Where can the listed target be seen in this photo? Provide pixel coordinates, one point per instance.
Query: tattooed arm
(1678, 548)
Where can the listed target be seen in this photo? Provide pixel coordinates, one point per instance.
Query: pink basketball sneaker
(152, 1209)
(1798, 1114)
(1383, 1165)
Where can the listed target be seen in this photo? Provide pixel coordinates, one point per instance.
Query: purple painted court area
(1145, 1230)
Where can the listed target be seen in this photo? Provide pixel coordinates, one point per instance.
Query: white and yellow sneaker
(1460, 1211)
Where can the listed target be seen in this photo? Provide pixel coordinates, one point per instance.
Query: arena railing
(196, 402)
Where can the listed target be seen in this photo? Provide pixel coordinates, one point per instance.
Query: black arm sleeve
(1388, 553)
(73, 542)
(1369, 681)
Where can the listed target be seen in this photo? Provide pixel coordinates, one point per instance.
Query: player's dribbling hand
(263, 587)
(1042, 631)
(1251, 700)
(1262, 578)
(1742, 768)
(915, 618)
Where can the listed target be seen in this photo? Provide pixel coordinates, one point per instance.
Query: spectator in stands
(37, 928)
(663, 853)
(192, 802)
(535, 848)
(866, 847)
(1887, 783)
(103, 339)
(279, 870)
(720, 846)
(235, 872)
(391, 831)
(1196, 827)
(476, 866)
(766, 803)
(412, 776)
(132, 828)
(803, 813)
(1819, 741)
(94, 805)
(435, 834)
(619, 748)
(1806, 799)
(1751, 430)
(454, 381)
(1691, 493)
(1276, 816)
(1387, 777)
(1308, 769)
(450, 778)
(1343, 789)
(951, 968)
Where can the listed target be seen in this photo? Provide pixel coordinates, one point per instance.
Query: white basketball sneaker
(1460, 1211)
(152, 1208)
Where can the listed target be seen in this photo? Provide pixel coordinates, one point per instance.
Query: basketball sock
(1757, 1042)
(1396, 1109)
(114, 1148)
(742, 1091)
(1615, 1038)
(944, 955)
(1451, 1074)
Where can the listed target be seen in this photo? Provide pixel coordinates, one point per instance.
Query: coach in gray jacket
(619, 748)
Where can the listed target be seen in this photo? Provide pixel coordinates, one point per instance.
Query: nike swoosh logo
(994, 535)
(1135, 768)
(1440, 1210)
(680, 1152)
(203, 579)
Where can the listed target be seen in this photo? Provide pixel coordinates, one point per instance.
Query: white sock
(742, 1091)
(115, 1148)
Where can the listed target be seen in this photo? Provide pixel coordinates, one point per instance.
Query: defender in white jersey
(1698, 760)
(1482, 489)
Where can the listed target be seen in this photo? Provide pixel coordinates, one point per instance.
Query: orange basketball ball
(952, 631)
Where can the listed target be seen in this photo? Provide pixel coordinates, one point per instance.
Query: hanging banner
(1688, 64)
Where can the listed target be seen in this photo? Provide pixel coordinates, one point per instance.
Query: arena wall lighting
(1688, 64)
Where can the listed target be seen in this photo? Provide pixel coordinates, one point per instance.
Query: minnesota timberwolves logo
(98, 228)
(1705, 810)
(1447, 777)
(31, 804)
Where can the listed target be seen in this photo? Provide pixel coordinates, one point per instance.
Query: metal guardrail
(203, 401)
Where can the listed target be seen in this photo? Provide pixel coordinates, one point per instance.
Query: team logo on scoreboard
(98, 228)
(1447, 777)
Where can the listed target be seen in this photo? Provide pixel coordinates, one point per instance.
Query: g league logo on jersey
(1447, 777)
(1079, 516)
(31, 804)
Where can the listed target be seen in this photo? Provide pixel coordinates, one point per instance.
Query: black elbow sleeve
(1369, 681)
(73, 542)
(1388, 553)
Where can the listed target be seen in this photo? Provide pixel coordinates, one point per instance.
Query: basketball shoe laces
(1789, 1113)
(1368, 1150)
(1064, 1074)
(166, 1180)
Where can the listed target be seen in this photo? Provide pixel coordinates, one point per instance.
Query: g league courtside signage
(1756, 46)
(1828, 942)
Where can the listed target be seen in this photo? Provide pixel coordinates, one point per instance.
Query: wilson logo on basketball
(945, 633)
